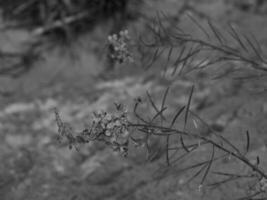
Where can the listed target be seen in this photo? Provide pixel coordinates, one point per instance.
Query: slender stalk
(166, 131)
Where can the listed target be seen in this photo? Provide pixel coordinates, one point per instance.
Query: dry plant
(216, 45)
(118, 129)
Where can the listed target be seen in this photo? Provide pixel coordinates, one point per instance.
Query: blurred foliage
(255, 6)
(61, 21)
(34, 13)
(66, 19)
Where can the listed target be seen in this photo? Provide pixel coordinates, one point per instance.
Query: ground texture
(35, 166)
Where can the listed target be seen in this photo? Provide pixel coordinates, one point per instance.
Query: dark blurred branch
(59, 23)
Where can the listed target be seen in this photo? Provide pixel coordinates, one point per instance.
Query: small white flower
(108, 117)
(110, 38)
(120, 47)
(110, 125)
(263, 184)
(117, 123)
(108, 133)
(125, 133)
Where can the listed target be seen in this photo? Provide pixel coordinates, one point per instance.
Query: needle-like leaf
(154, 106)
(188, 106)
(183, 144)
(216, 32)
(248, 141)
(199, 25)
(176, 116)
(237, 37)
(209, 166)
(165, 97)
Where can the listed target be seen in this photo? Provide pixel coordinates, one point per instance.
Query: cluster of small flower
(112, 129)
(259, 187)
(263, 185)
(119, 47)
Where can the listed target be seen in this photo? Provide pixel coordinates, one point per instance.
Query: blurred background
(55, 53)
